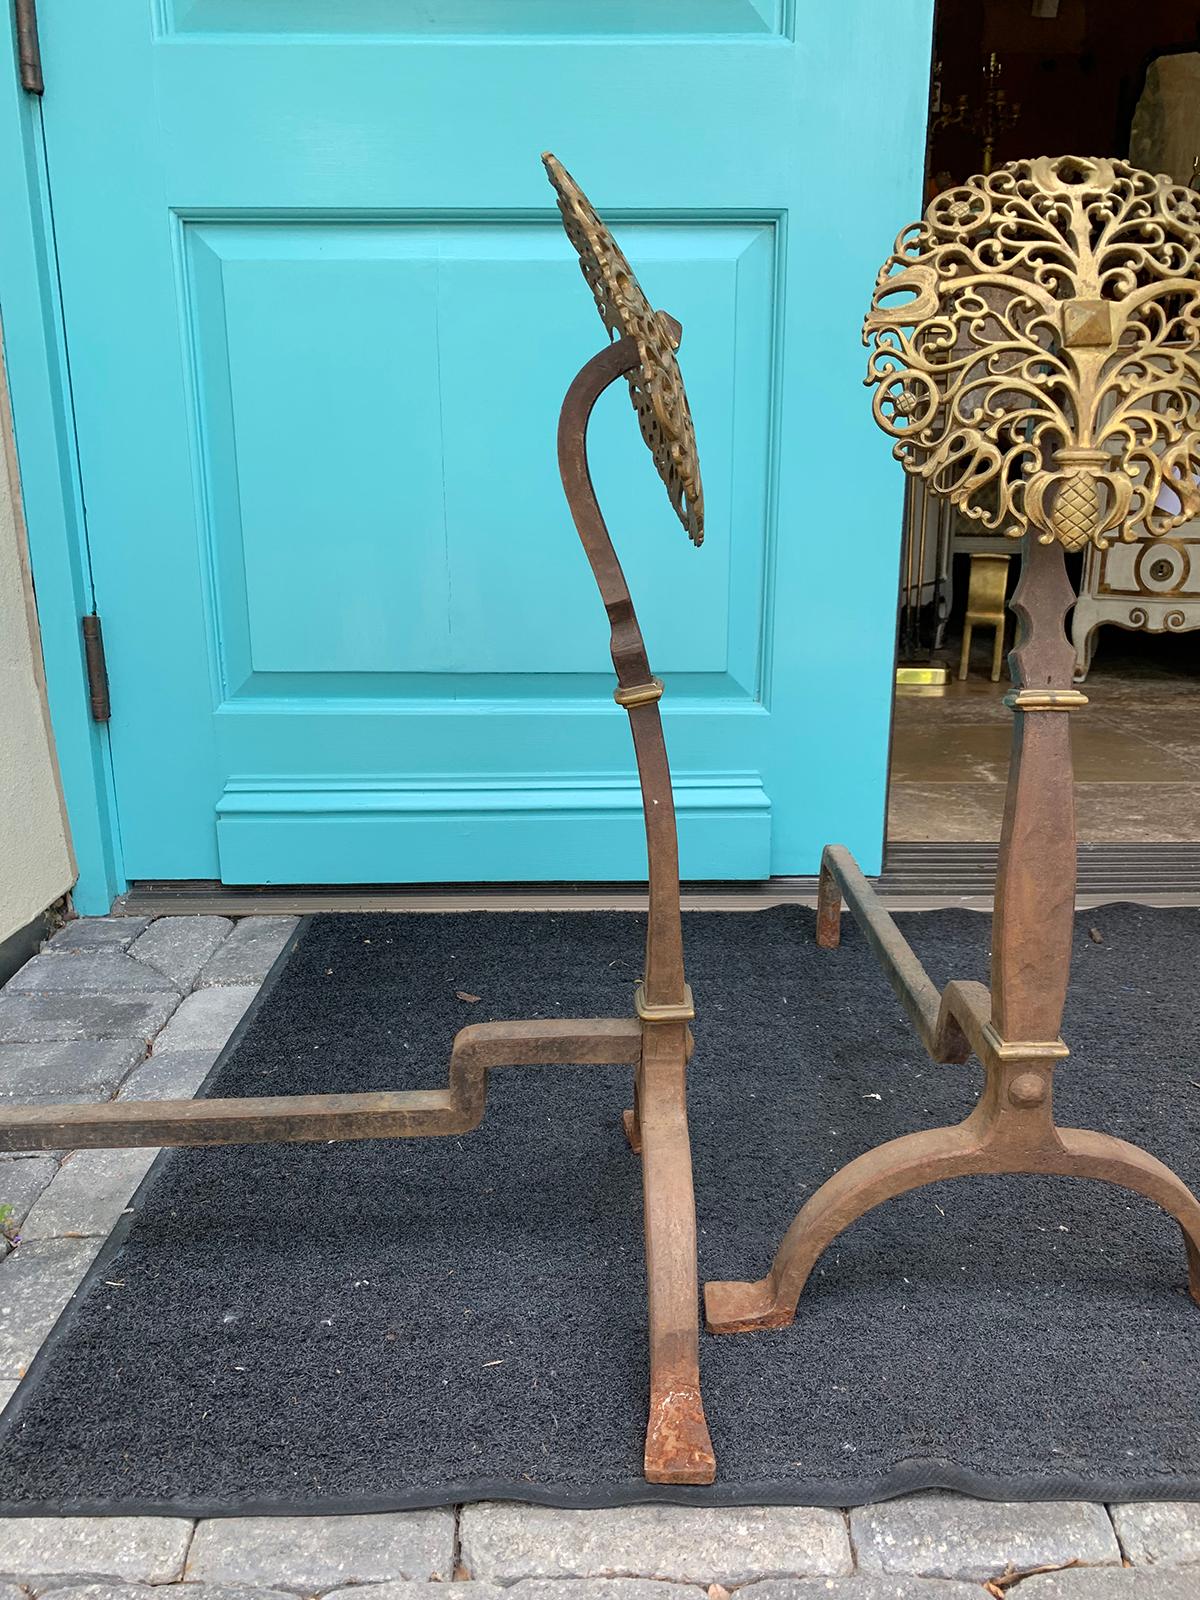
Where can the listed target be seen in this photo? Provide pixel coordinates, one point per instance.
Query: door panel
(522, 19)
(320, 317)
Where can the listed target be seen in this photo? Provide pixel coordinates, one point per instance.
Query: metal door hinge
(29, 52)
(97, 669)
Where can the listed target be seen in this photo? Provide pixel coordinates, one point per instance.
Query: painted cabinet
(319, 317)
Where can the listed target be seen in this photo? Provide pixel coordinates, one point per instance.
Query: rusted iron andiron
(1042, 373)
(656, 1040)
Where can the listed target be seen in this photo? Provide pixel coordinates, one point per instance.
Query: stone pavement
(127, 1008)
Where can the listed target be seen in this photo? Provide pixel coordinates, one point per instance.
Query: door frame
(34, 352)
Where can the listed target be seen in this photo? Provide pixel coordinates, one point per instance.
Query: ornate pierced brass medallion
(656, 384)
(1035, 336)
(1036, 360)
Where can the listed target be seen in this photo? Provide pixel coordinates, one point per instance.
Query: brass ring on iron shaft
(682, 1011)
(1045, 700)
(1022, 1049)
(639, 694)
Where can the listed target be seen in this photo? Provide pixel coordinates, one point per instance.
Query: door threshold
(918, 876)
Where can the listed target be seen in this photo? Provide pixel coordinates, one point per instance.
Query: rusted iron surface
(655, 1041)
(1013, 1029)
(978, 266)
(281, 1119)
(678, 1448)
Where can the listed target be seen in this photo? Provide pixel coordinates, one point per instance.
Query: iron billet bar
(273, 1119)
(914, 988)
(383, 1114)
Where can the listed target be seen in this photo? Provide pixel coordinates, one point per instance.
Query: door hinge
(97, 669)
(29, 51)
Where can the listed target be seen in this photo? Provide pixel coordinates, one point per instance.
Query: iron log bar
(841, 879)
(409, 1114)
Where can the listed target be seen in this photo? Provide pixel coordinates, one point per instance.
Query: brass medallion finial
(656, 386)
(1036, 349)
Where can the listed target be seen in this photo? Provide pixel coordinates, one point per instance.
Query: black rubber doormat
(372, 1326)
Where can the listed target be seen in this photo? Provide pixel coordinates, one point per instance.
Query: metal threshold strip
(916, 875)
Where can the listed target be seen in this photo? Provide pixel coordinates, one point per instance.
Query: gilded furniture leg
(964, 659)
(1014, 1028)
(985, 608)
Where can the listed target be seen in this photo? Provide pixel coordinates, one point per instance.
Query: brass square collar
(682, 1011)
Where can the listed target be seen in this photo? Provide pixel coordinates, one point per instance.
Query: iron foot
(742, 1307)
(678, 1448)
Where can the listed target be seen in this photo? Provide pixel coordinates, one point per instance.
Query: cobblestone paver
(951, 1536)
(77, 1023)
(99, 972)
(51, 1018)
(315, 1554)
(249, 952)
(98, 933)
(86, 1069)
(1109, 1583)
(86, 1197)
(170, 1075)
(21, 1182)
(503, 1543)
(194, 1591)
(178, 947)
(36, 1281)
(45, 1552)
(1166, 1531)
(205, 1019)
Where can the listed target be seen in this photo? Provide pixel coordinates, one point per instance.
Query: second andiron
(1035, 359)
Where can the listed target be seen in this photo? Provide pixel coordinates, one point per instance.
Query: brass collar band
(1023, 1049)
(639, 694)
(1045, 700)
(683, 1012)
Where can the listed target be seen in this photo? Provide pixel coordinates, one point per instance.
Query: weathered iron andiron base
(655, 1041)
(1013, 1029)
(1035, 359)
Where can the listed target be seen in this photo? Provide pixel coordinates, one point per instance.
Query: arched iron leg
(916, 1161)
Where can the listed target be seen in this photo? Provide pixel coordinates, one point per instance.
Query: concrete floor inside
(1136, 747)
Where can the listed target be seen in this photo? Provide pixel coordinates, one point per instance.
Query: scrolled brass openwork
(656, 388)
(1034, 349)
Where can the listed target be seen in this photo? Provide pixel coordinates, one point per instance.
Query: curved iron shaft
(664, 981)
(1013, 1030)
(678, 1448)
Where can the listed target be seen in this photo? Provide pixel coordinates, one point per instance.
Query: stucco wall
(36, 865)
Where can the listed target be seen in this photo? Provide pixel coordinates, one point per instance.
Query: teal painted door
(320, 315)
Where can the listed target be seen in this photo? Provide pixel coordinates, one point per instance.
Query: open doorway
(1017, 78)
